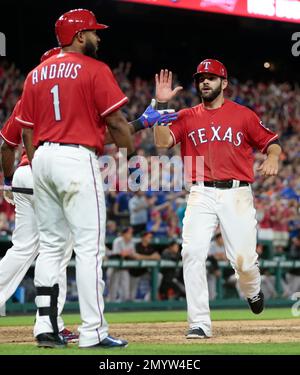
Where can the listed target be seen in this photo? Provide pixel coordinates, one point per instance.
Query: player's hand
(7, 193)
(270, 166)
(151, 117)
(163, 86)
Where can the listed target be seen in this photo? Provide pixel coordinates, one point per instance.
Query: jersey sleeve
(108, 95)
(25, 116)
(11, 131)
(177, 129)
(259, 136)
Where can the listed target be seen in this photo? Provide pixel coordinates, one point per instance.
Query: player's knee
(193, 253)
(243, 264)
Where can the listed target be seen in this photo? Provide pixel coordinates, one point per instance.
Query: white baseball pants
(25, 239)
(69, 196)
(206, 208)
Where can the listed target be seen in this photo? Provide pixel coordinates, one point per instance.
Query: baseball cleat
(256, 303)
(109, 343)
(196, 333)
(69, 336)
(50, 340)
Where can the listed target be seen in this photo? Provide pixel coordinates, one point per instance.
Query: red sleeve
(259, 136)
(25, 116)
(177, 129)
(108, 95)
(11, 131)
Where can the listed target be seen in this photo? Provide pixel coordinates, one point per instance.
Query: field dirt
(224, 332)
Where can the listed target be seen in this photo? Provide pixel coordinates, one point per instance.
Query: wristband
(161, 105)
(137, 125)
(8, 180)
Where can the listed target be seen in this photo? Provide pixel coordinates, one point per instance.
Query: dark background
(157, 37)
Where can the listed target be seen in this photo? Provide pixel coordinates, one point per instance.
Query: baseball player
(67, 103)
(19, 258)
(223, 134)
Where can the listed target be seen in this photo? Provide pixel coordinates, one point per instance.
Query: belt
(61, 144)
(69, 145)
(226, 184)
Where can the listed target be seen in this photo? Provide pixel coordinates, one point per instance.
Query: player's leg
(84, 208)
(238, 227)
(25, 238)
(53, 232)
(199, 223)
(67, 334)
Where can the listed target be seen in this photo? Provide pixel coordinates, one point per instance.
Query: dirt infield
(271, 331)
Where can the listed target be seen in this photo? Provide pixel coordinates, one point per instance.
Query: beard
(90, 49)
(211, 95)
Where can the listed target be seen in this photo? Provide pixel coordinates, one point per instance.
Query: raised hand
(163, 86)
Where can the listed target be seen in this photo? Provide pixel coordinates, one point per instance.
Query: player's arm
(162, 137)
(8, 159)
(271, 165)
(119, 131)
(27, 136)
(147, 120)
(163, 94)
(267, 142)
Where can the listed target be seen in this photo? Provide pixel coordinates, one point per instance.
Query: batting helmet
(70, 23)
(213, 67)
(50, 53)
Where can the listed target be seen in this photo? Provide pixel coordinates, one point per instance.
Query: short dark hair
(146, 233)
(125, 230)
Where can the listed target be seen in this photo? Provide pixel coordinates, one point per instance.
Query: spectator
(111, 228)
(144, 251)
(120, 208)
(156, 225)
(119, 283)
(138, 209)
(171, 286)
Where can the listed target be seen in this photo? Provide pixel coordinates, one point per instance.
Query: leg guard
(51, 310)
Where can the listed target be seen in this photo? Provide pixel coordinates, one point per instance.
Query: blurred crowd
(160, 213)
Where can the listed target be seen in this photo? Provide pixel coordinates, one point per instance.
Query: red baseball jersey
(224, 137)
(66, 99)
(12, 133)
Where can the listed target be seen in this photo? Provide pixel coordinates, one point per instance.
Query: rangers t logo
(206, 63)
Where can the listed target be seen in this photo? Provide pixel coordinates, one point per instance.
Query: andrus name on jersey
(62, 70)
(200, 136)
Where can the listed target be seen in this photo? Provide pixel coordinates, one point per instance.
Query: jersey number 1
(54, 92)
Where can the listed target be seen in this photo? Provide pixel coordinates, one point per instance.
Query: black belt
(62, 144)
(227, 184)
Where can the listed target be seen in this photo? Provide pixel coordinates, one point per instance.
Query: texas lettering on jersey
(199, 136)
(224, 138)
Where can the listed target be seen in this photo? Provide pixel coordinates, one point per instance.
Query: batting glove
(152, 117)
(7, 193)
